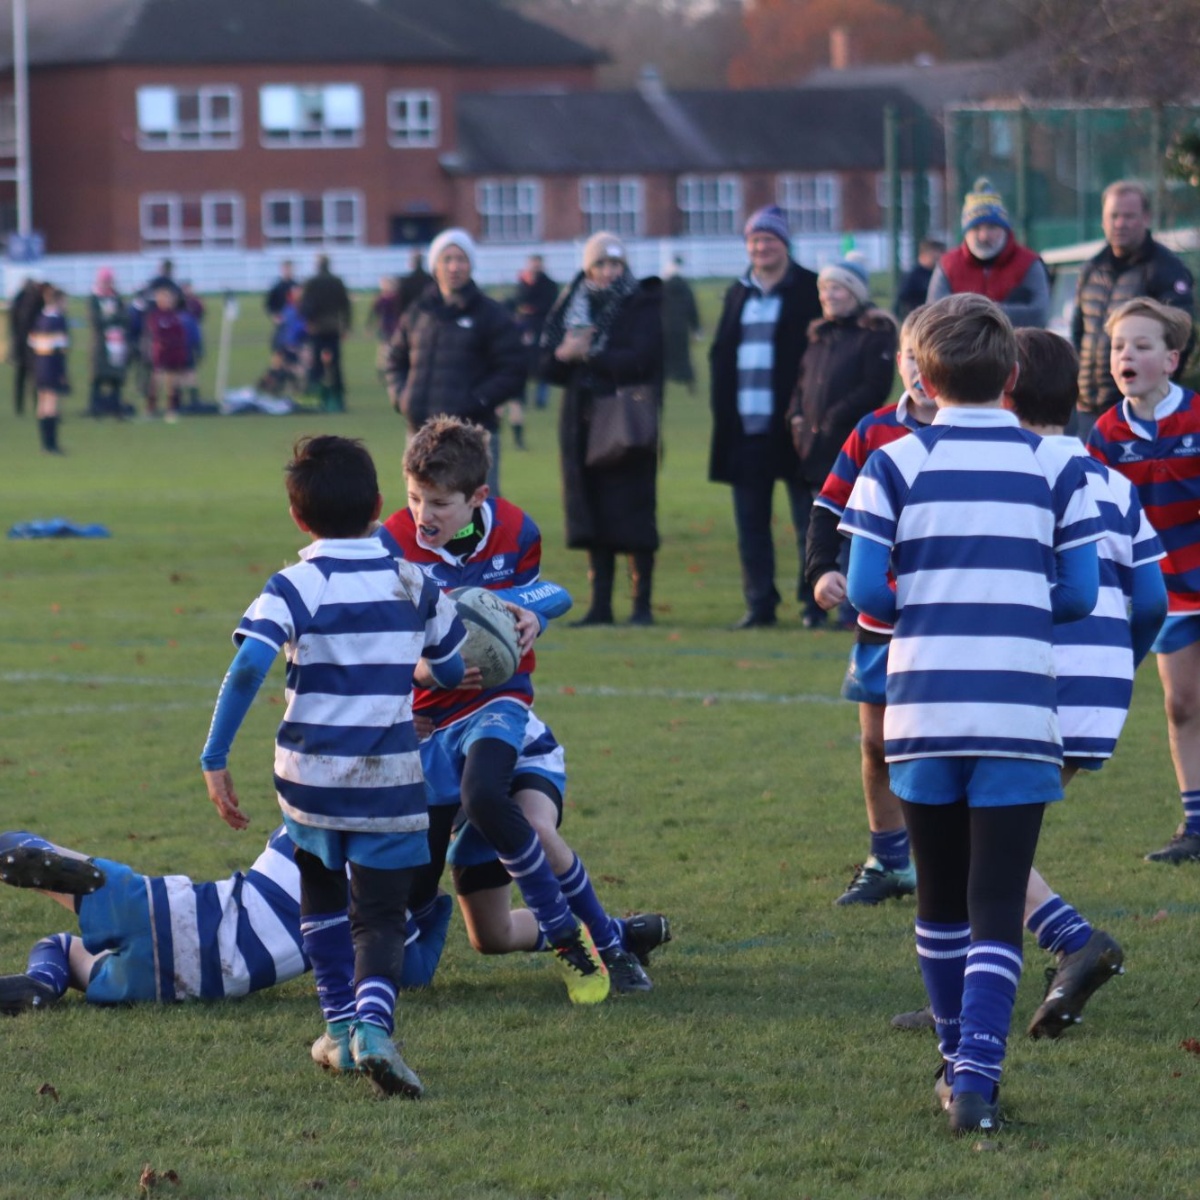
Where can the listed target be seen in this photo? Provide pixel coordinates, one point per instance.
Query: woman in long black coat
(606, 332)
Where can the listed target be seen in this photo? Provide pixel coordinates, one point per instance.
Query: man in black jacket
(325, 307)
(1132, 264)
(755, 358)
(456, 351)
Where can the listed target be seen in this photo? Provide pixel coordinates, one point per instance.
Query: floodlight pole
(21, 114)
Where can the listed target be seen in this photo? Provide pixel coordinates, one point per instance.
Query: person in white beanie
(846, 372)
(456, 351)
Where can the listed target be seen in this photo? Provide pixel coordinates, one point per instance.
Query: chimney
(839, 47)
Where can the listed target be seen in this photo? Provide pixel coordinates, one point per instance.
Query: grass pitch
(713, 776)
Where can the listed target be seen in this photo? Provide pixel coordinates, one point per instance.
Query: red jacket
(995, 278)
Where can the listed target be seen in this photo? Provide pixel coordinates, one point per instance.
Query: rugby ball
(491, 643)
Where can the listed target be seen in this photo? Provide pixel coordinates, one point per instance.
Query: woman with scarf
(605, 332)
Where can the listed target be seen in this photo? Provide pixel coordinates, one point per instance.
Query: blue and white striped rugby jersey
(1093, 658)
(352, 621)
(229, 937)
(974, 510)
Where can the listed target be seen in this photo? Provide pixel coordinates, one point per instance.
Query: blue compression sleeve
(544, 599)
(242, 681)
(867, 579)
(1078, 586)
(449, 672)
(1147, 608)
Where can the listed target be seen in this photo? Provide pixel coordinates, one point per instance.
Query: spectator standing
(166, 328)
(415, 283)
(277, 295)
(109, 320)
(992, 263)
(605, 332)
(325, 307)
(383, 317)
(681, 323)
(24, 310)
(755, 356)
(846, 373)
(534, 298)
(164, 279)
(456, 351)
(1131, 264)
(914, 287)
(49, 341)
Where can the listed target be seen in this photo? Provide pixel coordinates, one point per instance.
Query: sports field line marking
(592, 691)
(682, 694)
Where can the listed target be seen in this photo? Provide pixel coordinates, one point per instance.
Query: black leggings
(973, 865)
(378, 902)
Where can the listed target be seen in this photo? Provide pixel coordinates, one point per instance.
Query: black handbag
(623, 426)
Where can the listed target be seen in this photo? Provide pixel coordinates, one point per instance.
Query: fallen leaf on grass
(674, 637)
(709, 701)
(79, 645)
(56, 608)
(616, 880)
(566, 691)
(1191, 1045)
(47, 1089)
(150, 1178)
(1161, 915)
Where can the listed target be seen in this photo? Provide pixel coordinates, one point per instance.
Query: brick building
(176, 125)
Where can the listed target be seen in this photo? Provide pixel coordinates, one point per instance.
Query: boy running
(480, 752)
(1151, 439)
(990, 535)
(353, 623)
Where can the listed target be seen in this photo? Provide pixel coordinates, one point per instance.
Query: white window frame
(710, 205)
(408, 127)
(297, 115)
(211, 234)
(294, 232)
(935, 200)
(206, 132)
(616, 205)
(813, 202)
(510, 210)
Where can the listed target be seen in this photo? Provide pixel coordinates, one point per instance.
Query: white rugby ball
(491, 643)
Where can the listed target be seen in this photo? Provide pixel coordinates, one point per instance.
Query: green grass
(714, 776)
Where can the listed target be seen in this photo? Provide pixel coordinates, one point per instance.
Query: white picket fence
(214, 271)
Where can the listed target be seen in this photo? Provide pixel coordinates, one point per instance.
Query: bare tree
(689, 41)
(1139, 50)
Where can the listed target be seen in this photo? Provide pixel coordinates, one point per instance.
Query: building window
(294, 219)
(711, 205)
(412, 119)
(510, 210)
(934, 200)
(328, 114)
(209, 221)
(205, 118)
(614, 205)
(813, 203)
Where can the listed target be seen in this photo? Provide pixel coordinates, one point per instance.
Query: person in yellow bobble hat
(992, 263)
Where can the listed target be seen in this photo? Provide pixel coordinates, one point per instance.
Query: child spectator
(478, 751)
(990, 533)
(384, 314)
(347, 768)
(170, 352)
(1150, 437)
(49, 341)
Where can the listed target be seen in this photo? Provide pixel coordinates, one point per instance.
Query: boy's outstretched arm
(1147, 608)
(238, 689)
